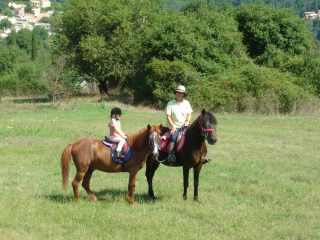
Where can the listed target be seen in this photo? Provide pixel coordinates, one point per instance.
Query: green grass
(263, 182)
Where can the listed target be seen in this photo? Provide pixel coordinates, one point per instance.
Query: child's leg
(120, 144)
(119, 140)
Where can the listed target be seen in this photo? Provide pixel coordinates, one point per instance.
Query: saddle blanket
(125, 150)
(166, 138)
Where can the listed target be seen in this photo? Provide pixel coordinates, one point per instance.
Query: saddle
(166, 138)
(125, 150)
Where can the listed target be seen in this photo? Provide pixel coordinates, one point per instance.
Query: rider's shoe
(119, 155)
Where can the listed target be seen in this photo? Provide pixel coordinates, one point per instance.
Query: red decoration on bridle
(204, 129)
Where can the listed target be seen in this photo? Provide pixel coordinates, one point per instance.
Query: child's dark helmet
(116, 110)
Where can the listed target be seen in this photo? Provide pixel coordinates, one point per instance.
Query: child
(116, 134)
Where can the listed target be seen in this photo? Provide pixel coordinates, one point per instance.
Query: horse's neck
(195, 126)
(138, 140)
(195, 130)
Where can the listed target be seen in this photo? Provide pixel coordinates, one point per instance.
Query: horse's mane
(138, 140)
(208, 116)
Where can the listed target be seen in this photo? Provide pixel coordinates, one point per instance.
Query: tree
(9, 13)
(104, 43)
(11, 39)
(34, 51)
(262, 25)
(24, 39)
(28, 8)
(5, 23)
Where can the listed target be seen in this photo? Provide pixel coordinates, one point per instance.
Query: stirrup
(119, 155)
(172, 159)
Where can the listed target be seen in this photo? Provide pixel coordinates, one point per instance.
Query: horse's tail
(65, 162)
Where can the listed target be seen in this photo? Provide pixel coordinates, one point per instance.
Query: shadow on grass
(107, 195)
(31, 100)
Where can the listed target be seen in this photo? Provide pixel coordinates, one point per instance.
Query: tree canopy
(228, 58)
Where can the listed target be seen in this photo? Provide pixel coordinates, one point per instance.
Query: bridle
(152, 144)
(152, 136)
(205, 130)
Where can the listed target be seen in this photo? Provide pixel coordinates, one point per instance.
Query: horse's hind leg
(75, 184)
(86, 184)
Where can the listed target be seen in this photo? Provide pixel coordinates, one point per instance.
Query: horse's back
(85, 149)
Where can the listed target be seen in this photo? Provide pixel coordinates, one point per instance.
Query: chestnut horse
(192, 154)
(90, 154)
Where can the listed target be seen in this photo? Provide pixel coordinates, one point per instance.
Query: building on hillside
(18, 26)
(42, 15)
(29, 18)
(3, 35)
(16, 5)
(3, 17)
(36, 3)
(21, 19)
(40, 3)
(43, 25)
(36, 11)
(311, 15)
(45, 3)
(50, 13)
(13, 20)
(7, 30)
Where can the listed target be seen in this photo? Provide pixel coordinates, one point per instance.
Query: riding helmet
(116, 110)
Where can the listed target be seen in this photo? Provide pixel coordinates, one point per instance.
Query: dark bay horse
(192, 154)
(90, 154)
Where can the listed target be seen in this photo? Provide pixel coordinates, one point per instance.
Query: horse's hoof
(185, 198)
(151, 195)
(197, 199)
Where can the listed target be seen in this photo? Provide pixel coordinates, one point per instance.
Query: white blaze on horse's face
(154, 144)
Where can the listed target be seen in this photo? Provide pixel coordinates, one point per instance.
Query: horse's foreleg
(131, 187)
(152, 166)
(86, 185)
(185, 181)
(75, 184)
(196, 173)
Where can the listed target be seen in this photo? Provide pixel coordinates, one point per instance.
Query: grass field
(263, 182)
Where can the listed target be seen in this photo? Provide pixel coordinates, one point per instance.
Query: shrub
(160, 78)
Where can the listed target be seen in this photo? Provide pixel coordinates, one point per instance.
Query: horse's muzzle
(154, 155)
(212, 141)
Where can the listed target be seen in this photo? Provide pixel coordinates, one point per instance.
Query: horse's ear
(203, 111)
(160, 127)
(211, 111)
(149, 127)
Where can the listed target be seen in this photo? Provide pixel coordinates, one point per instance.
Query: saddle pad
(165, 142)
(127, 154)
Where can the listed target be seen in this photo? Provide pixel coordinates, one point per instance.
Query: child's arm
(118, 130)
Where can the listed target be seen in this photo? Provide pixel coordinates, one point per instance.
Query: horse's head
(154, 140)
(207, 123)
